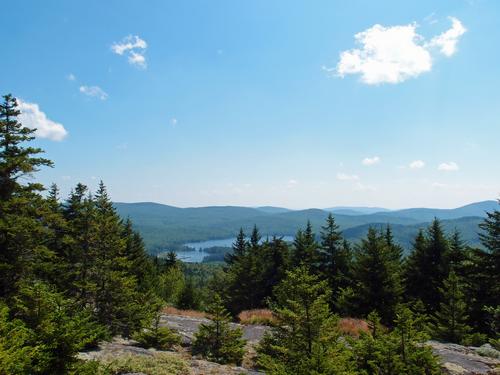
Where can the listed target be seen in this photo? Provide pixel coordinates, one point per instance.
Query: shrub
(352, 327)
(190, 313)
(162, 338)
(257, 316)
(158, 364)
(216, 341)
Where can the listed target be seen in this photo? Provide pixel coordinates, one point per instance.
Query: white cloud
(394, 54)
(417, 164)
(32, 117)
(447, 41)
(292, 183)
(448, 167)
(173, 121)
(347, 177)
(134, 47)
(71, 77)
(94, 92)
(371, 161)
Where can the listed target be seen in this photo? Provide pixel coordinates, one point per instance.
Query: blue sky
(289, 103)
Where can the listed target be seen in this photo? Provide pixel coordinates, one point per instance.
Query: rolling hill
(164, 226)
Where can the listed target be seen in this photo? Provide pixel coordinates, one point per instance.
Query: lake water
(198, 255)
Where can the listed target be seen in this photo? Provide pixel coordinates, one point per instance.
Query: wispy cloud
(134, 48)
(447, 41)
(417, 164)
(32, 117)
(71, 77)
(396, 53)
(173, 121)
(94, 92)
(370, 161)
(450, 166)
(292, 183)
(347, 177)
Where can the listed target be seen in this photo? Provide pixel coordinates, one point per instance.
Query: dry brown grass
(353, 327)
(190, 313)
(257, 316)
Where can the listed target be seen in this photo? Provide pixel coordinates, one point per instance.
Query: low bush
(257, 316)
(158, 364)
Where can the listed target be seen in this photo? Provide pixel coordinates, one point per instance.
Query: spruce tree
(336, 257)
(450, 320)
(239, 249)
(21, 228)
(305, 249)
(490, 238)
(117, 303)
(305, 337)
(426, 267)
(377, 277)
(272, 265)
(216, 340)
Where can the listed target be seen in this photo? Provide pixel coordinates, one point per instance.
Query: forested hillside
(163, 226)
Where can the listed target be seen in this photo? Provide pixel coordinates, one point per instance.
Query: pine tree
(21, 230)
(305, 250)
(426, 267)
(336, 257)
(188, 299)
(450, 320)
(117, 303)
(400, 351)
(490, 238)
(305, 338)
(457, 253)
(272, 265)
(377, 277)
(16, 161)
(239, 249)
(217, 341)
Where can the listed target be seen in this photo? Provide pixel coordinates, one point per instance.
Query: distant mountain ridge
(162, 225)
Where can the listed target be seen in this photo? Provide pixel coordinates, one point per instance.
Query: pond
(200, 253)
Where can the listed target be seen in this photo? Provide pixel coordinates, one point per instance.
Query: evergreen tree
(426, 267)
(53, 328)
(336, 257)
(450, 320)
(217, 341)
(305, 338)
(272, 265)
(305, 250)
(490, 238)
(21, 229)
(457, 253)
(400, 351)
(188, 299)
(118, 304)
(377, 277)
(239, 249)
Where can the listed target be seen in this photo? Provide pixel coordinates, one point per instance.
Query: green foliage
(377, 278)
(400, 351)
(450, 320)
(157, 364)
(305, 339)
(335, 258)
(188, 297)
(426, 267)
(217, 341)
(49, 330)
